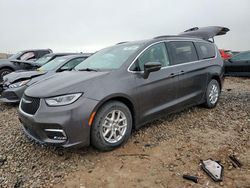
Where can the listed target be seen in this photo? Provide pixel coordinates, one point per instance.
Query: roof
(67, 57)
(45, 49)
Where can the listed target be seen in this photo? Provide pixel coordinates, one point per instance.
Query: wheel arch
(217, 78)
(7, 67)
(123, 99)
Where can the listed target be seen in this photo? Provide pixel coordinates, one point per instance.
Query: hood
(64, 83)
(205, 32)
(21, 75)
(4, 61)
(26, 64)
(20, 61)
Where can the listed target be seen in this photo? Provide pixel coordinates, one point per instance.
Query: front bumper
(64, 126)
(12, 95)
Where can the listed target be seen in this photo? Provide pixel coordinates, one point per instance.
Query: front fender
(7, 64)
(127, 100)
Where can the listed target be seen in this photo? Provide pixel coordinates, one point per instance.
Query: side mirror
(151, 67)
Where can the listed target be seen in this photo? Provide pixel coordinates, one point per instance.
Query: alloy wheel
(4, 73)
(114, 126)
(214, 94)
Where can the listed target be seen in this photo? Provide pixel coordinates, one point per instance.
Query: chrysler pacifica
(121, 88)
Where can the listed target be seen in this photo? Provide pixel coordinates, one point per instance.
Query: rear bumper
(12, 95)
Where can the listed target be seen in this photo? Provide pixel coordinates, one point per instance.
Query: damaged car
(16, 83)
(33, 65)
(14, 62)
(121, 88)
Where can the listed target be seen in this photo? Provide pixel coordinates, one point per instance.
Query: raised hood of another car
(64, 83)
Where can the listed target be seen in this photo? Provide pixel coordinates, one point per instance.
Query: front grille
(30, 105)
(9, 95)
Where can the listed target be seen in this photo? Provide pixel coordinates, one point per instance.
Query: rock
(147, 145)
(158, 181)
(18, 183)
(3, 159)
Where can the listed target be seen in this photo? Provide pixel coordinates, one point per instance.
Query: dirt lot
(155, 156)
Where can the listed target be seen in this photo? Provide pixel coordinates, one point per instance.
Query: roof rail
(166, 36)
(163, 36)
(122, 42)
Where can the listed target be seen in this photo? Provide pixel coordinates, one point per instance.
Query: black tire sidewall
(208, 102)
(97, 139)
(2, 71)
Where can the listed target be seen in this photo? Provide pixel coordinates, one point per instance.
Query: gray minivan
(121, 88)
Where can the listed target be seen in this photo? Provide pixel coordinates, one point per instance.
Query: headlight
(63, 100)
(18, 84)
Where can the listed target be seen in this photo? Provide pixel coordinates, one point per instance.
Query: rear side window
(206, 50)
(245, 56)
(182, 52)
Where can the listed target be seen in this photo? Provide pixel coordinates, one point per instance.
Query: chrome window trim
(169, 66)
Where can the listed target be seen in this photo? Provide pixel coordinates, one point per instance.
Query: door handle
(182, 72)
(176, 74)
(172, 75)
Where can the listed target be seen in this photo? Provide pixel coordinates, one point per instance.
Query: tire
(4, 72)
(212, 94)
(106, 123)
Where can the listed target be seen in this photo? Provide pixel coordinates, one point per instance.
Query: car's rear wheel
(4, 72)
(212, 94)
(112, 126)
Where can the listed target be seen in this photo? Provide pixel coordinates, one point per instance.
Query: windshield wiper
(89, 70)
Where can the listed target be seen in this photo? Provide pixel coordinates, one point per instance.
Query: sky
(89, 25)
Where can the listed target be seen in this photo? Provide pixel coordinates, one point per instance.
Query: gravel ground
(155, 156)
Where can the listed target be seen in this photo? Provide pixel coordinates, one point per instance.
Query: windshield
(109, 58)
(52, 65)
(43, 60)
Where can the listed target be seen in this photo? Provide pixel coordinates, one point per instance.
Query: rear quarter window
(182, 52)
(206, 50)
(42, 53)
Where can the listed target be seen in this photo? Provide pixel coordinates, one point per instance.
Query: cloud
(81, 25)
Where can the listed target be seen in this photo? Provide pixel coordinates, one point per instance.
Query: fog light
(56, 134)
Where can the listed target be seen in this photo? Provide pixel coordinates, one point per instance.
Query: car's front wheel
(4, 72)
(212, 94)
(112, 126)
